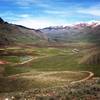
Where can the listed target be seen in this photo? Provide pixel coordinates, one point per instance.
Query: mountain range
(80, 32)
(16, 34)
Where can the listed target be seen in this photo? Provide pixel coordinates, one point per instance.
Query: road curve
(91, 74)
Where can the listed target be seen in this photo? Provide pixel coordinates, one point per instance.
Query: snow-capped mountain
(78, 32)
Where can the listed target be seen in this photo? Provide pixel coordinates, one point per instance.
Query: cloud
(44, 5)
(26, 3)
(60, 13)
(55, 12)
(94, 10)
(44, 13)
(24, 15)
(14, 16)
(38, 22)
(8, 15)
(42, 23)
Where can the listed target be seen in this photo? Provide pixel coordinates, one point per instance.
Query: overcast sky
(44, 13)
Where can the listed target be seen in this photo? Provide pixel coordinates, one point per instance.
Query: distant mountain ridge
(86, 32)
(17, 34)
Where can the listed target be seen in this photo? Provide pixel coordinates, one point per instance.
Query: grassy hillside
(91, 56)
(16, 34)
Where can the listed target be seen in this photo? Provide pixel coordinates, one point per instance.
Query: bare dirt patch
(2, 62)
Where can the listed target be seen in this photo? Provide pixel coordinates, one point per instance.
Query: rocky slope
(88, 90)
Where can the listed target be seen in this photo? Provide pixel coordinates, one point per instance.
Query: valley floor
(48, 73)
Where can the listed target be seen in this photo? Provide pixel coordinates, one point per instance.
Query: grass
(17, 84)
(27, 81)
(91, 57)
(10, 58)
(14, 59)
(54, 59)
(58, 59)
(10, 70)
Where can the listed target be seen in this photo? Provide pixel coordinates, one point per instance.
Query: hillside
(16, 34)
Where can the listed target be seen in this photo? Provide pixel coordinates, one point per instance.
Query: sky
(44, 13)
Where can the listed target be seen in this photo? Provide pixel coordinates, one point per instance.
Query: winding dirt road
(90, 74)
